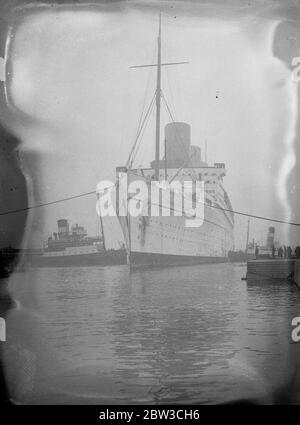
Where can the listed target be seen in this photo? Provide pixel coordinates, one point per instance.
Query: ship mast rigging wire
(140, 122)
(188, 157)
(158, 66)
(140, 133)
(143, 122)
(81, 195)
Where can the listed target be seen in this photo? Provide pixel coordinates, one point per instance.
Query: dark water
(177, 335)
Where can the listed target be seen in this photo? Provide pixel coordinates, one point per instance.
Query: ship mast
(158, 97)
(248, 229)
(102, 232)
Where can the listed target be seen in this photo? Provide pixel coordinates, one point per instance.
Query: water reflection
(179, 335)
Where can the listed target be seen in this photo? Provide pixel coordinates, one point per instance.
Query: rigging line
(180, 138)
(146, 121)
(185, 164)
(141, 138)
(46, 203)
(145, 95)
(132, 152)
(143, 129)
(57, 201)
(179, 169)
(258, 217)
(177, 210)
(172, 118)
(172, 98)
(163, 64)
(130, 158)
(143, 107)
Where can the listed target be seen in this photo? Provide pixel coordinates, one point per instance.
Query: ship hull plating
(165, 241)
(92, 259)
(169, 239)
(142, 259)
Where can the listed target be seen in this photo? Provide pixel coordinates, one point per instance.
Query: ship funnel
(178, 141)
(63, 228)
(270, 237)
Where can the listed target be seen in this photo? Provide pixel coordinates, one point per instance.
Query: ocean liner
(165, 239)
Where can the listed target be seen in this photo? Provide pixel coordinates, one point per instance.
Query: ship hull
(240, 256)
(92, 259)
(157, 240)
(142, 259)
(166, 241)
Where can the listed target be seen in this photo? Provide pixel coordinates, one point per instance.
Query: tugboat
(73, 247)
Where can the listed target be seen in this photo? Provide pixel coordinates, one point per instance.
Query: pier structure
(271, 269)
(274, 270)
(297, 272)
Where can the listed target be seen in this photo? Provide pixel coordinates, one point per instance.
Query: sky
(76, 103)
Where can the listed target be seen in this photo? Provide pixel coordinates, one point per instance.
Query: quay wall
(275, 270)
(297, 272)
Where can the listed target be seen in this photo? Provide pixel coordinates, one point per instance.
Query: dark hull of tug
(106, 258)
